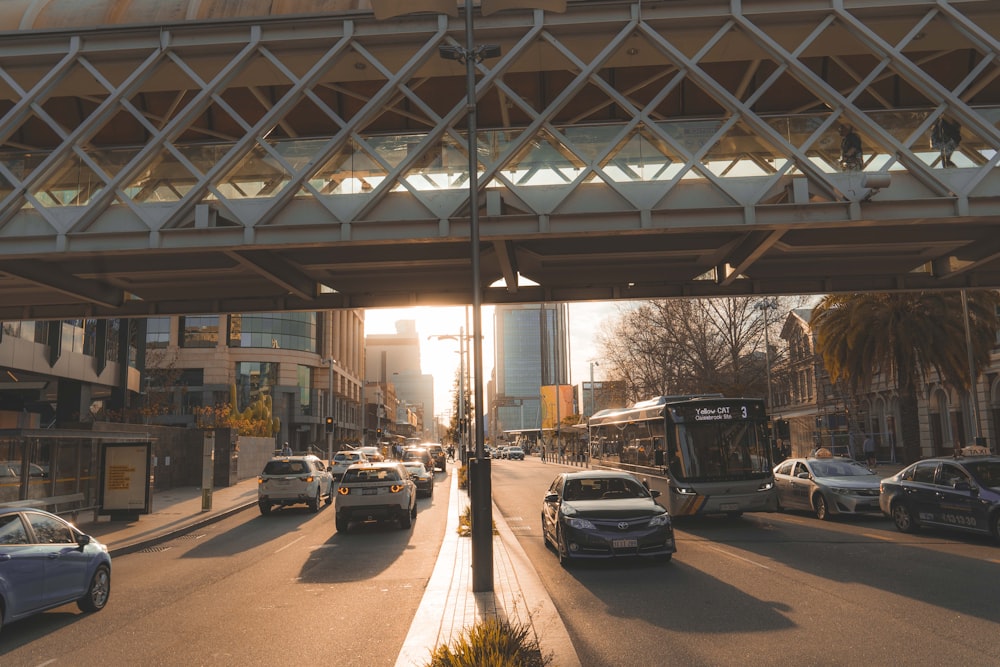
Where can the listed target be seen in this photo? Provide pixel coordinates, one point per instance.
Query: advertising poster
(125, 472)
(553, 412)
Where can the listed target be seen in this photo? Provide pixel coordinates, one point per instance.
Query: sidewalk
(448, 606)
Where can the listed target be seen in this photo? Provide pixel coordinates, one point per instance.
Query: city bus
(712, 450)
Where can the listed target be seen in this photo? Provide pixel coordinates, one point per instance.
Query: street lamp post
(766, 305)
(480, 490)
(329, 411)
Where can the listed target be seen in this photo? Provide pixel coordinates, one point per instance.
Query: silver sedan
(826, 486)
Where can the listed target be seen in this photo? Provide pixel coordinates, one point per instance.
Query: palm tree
(902, 336)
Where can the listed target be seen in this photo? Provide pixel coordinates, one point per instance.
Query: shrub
(491, 643)
(465, 523)
(463, 477)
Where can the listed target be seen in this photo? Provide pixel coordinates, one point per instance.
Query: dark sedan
(961, 492)
(423, 478)
(605, 514)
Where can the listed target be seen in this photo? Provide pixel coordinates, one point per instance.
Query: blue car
(46, 562)
(961, 492)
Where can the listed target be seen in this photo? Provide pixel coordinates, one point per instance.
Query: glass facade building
(532, 350)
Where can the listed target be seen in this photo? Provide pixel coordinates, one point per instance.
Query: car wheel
(995, 525)
(265, 508)
(314, 502)
(903, 518)
(329, 496)
(98, 591)
(342, 525)
(561, 549)
(665, 558)
(406, 521)
(820, 507)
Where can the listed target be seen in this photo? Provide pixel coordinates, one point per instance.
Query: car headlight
(843, 492)
(684, 491)
(580, 524)
(660, 520)
(766, 486)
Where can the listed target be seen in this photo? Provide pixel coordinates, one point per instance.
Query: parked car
(421, 454)
(439, 457)
(46, 562)
(373, 492)
(423, 478)
(515, 453)
(605, 514)
(953, 492)
(344, 460)
(292, 480)
(826, 486)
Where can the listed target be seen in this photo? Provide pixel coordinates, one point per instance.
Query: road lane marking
(732, 555)
(297, 539)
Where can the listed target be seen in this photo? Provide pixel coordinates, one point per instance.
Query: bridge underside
(670, 149)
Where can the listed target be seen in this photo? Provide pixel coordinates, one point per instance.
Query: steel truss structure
(626, 150)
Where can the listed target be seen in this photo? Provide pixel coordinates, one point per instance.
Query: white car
(372, 492)
(344, 460)
(291, 480)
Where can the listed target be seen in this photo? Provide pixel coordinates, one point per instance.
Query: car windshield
(603, 488)
(417, 468)
(285, 468)
(986, 473)
(371, 475)
(347, 457)
(840, 469)
(414, 454)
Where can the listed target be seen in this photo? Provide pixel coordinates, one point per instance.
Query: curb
(148, 542)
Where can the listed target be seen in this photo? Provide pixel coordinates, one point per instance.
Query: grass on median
(491, 643)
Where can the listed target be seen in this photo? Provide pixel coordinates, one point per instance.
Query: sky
(440, 357)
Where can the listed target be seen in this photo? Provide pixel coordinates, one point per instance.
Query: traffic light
(329, 424)
(378, 433)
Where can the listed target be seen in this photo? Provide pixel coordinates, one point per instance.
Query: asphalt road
(286, 589)
(770, 589)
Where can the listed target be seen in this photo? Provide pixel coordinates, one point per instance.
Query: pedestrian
(286, 450)
(869, 449)
(946, 135)
(851, 158)
(451, 452)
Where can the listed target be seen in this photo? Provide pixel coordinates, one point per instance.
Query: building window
(254, 381)
(305, 391)
(288, 331)
(201, 331)
(157, 332)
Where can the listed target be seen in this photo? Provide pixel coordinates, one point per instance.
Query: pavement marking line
(297, 539)
(732, 555)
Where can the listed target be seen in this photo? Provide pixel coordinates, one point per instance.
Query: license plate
(624, 544)
(729, 507)
(369, 492)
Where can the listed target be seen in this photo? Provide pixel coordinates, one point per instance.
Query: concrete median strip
(449, 606)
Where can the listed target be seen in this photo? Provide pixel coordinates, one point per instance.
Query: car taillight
(307, 479)
(396, 488)
(260, 480)
(343, 490)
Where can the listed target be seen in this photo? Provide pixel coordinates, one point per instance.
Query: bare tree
(692, 346)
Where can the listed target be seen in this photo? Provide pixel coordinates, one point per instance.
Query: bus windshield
(717, 451)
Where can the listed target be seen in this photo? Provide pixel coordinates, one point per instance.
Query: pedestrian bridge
(215, 157)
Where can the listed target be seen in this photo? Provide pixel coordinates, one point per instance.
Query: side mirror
(551, 497)
(654, 493)
(82, 540)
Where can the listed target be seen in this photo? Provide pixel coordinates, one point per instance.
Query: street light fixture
(329, 411)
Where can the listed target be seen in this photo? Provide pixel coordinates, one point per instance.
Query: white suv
(290, 480)
(376, 492)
